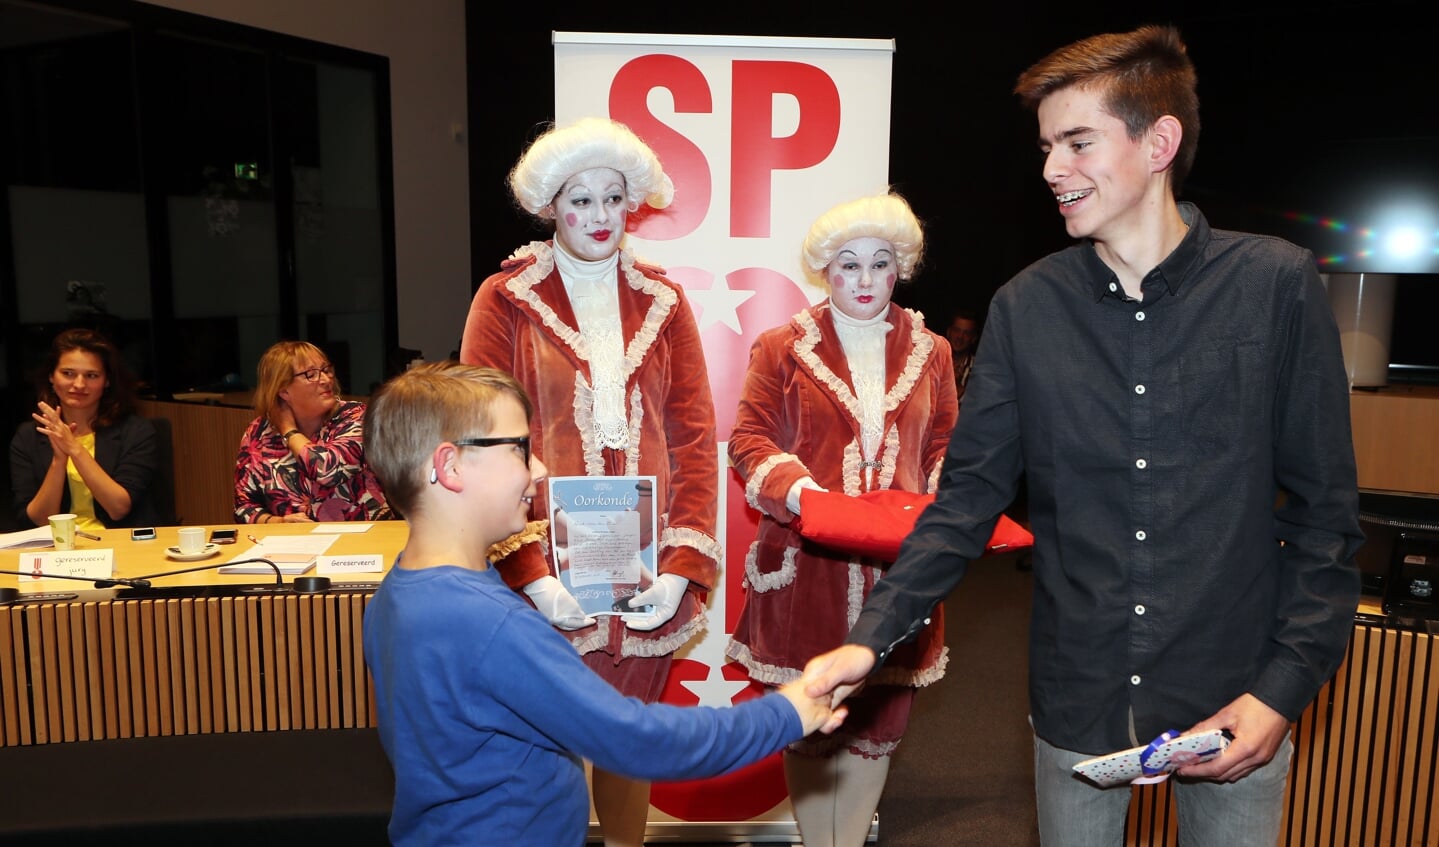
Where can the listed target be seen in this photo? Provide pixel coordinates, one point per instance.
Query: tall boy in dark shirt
(1161, 385)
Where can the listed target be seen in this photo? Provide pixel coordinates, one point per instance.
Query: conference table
(207, 700)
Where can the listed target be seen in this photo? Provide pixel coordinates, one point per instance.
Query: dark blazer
(126, 451)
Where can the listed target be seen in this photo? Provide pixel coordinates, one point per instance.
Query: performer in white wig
(608, 351)
(852, 395)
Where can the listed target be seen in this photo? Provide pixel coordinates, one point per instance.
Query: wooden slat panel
(192, 664)
(64, 672)
(228, 669)
(268, 609)
(307, 662)
(344, 692)
(90, 714)
(148, 643)
(244, 703)
(45, 720)
(12, 689)
(212, 670)
(172, 676)
(135, 615)
(286, 682)
(109, 685)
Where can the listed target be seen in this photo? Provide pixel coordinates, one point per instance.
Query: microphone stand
(107, 582)
(279, 577)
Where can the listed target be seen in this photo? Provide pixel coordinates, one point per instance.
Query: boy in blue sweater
(485, 711)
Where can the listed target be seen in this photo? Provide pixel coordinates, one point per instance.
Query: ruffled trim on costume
(760, 671)
(819, 746)
(683, 536)
(913, 677)
(850, 469)
(854, 594)
(642, 646)
(761, 474)
(522, 285)
(761, 583)
(664, 301)
(922, 344)
(537, 530)
(804, 349)
(585, 423)
(597, 640)
(934, 476)
(888, 454)
(637, 420)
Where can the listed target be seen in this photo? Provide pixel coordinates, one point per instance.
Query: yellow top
(82, 501)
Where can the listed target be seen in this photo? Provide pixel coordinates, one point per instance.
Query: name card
(363, 563)
(89, 564)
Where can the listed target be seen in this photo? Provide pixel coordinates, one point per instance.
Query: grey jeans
(1073, 812)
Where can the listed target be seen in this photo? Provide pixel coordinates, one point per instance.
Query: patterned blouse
(331, 482)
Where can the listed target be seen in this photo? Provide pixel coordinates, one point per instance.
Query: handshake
(827, 680)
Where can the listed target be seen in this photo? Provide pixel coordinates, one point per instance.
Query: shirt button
(1140, 535)
(1138, 389)
(1113, 287)
(1139, 610)
(926, 621)
(1134, 680)
(1141, 464)
(1139, 316)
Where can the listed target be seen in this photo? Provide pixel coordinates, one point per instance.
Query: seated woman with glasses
(303, 458)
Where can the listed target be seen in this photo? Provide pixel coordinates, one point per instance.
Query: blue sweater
(486, 712)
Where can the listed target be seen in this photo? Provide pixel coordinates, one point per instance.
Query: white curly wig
(560, 153)
(885, 216)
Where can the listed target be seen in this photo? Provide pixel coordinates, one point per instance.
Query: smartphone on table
(142, 533)
(222, 536)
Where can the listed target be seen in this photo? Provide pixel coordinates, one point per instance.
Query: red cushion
(874, 524)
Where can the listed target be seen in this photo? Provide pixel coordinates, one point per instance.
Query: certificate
(602, 539)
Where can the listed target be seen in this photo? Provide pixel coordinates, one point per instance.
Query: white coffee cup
(192, 539)
(62, 530)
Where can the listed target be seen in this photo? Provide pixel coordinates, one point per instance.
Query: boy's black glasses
(522, 440)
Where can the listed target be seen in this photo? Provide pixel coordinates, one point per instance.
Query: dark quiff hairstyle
(1143, 75)
(413, 412)
(117, 402)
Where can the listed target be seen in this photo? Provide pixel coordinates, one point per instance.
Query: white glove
(558, 605)
(665, 595)
(791, 499)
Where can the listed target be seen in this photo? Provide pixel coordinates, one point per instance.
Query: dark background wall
(1281, 84)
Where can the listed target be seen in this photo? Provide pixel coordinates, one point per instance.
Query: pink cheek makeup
(571, 219)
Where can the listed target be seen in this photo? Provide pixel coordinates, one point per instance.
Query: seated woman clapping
(303, 458)
(85, 450)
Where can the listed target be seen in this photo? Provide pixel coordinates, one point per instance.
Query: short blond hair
(410, 414)
(560, 153)
(276, 370)
(885, 216)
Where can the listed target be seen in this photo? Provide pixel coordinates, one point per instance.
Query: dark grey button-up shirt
(1191, 487)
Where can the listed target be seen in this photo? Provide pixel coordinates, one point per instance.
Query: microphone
(107, 582)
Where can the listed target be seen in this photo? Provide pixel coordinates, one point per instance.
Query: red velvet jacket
(521, 322)
(798, 416)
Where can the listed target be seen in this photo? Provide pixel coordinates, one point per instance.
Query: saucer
(204, 553)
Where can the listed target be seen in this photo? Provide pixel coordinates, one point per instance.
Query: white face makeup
(862, 276)
(590, 213)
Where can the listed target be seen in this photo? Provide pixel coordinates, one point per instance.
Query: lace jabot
(863, 342)
(594, 296)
